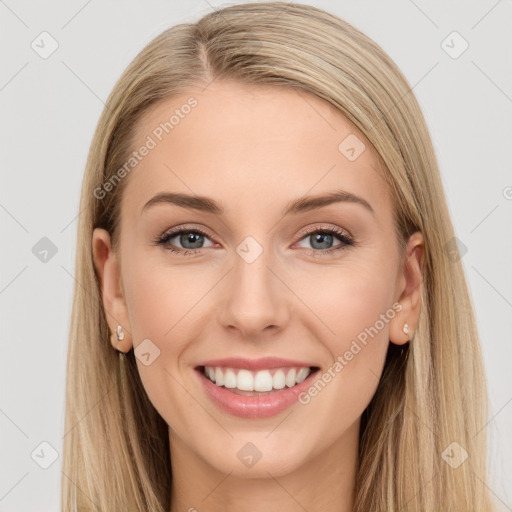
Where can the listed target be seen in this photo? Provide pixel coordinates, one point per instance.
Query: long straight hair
(116, 448)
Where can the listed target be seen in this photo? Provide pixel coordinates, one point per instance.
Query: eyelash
(343, 237)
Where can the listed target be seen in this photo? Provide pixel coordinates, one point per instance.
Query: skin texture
(254, 149)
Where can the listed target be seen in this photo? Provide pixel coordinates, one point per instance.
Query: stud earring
(406, 328)
(120, 333)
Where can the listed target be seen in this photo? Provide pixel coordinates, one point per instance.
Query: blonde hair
(116, 449)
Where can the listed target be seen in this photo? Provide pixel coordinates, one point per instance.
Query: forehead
(251, 147)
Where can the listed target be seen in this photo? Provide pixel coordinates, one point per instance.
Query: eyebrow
(302, 204)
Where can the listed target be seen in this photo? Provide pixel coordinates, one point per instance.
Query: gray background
(49, 110)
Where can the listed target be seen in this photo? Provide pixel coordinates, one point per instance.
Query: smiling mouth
(257, 383)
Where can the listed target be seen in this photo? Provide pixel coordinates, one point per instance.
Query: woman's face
(258, 276)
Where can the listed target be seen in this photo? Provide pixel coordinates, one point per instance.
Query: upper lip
(264, 363)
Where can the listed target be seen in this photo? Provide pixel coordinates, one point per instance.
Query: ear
(108, 269)
(409, 291)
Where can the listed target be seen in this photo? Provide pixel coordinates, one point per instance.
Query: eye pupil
(191, 237)
(320, 237)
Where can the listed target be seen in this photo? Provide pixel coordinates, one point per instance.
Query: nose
(256, 299)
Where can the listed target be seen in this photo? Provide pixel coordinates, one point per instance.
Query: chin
(255, 455)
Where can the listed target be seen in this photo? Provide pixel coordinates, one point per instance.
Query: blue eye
(186, 236)
(196, 238)
(327, 236)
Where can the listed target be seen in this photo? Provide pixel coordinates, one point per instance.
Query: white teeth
(219, 377)
(230, 378)
(244, 380)
(290, 378)
(302, 374)
(278, 381)
(263, 380)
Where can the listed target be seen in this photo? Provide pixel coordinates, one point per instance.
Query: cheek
(159, 298)
(348, 298)
(362, 298)
(356, 305)
(160, 305)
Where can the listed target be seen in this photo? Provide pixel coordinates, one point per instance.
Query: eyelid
(186, 227)
(323, 226)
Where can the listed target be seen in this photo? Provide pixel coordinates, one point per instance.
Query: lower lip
(258, 406)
